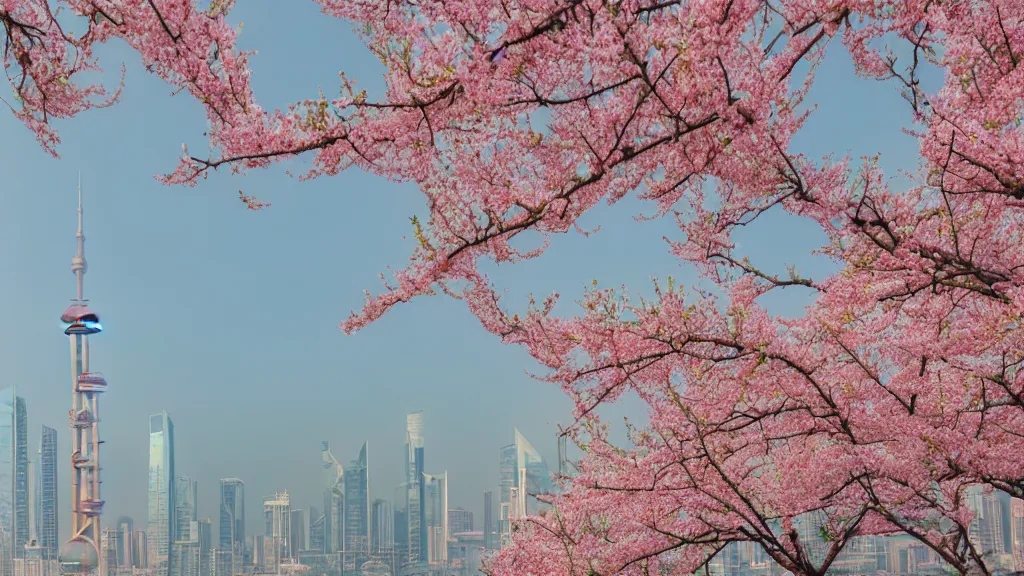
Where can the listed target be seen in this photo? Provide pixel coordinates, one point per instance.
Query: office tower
(334, 500)
(108, 546)
(140, 550)
(523, 474)
(316, 530)
(381, 540)
(186, 508)
(400, 527)
(299, 532)
(185, 543)
(125, 529)
(160, 522)
(415, 513)
(488, 520)
(435, 507)
(48, 498)
(357, 508)
(277, 515)
(460, 520)
(232, 525)
(13, 479)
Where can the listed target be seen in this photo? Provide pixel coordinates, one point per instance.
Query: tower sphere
(78, 556)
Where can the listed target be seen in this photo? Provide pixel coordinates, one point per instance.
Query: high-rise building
(125, 541)
(108, 548)
(460, 520)
(299, 532)
(140, 549)
(400, 525)
(357, 508)
(14, 516)
(277, 515)
(381, 534)
(231, 544)
(435, 506)
(160, 529)
(186, 508)
(415, 513)
(185, 550)
(488, 520)
(47, 507)
(316, 531)
(523, 475)
(334, 500)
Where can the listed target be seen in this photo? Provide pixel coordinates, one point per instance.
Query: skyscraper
(357, 508)
(232, 525)
(316, 530)
(334, 500)
(277, 515)
(14, 516)
(488, 520)
(523, 475)
(161, 525)
(299, 532)
(186, 507)
(185, 540)
(381, 519)
(416, 515)
(47, 515)
(125, 542)
(435, 506)
(460, 520)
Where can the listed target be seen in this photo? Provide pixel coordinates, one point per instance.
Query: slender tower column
(81, 554)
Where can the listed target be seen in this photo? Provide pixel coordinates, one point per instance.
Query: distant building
(357, 508)
(334, 500)
(160, 525)
(125, 540)
(317, 539)
(460, 520)
(231, 541)
(488, 520)
(299, 532)
(46, 515)
(277, 515)
(415, 513)
(381, 531)
(140, 550)
(523, 475)
(435, 505)
(14, 514)
(108, 551)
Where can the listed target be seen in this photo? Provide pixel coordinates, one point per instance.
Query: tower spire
(78, 263)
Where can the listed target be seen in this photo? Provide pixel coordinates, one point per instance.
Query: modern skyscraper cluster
(28, 490)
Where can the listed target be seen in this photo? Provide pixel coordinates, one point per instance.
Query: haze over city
(227, 319)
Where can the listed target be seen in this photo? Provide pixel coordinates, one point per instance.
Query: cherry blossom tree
(873, 412)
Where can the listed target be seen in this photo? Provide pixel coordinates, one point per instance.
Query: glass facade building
(47, 506)
(357, 507)
(415, 513)
(160, 529)
(14, 514)
(231, 542)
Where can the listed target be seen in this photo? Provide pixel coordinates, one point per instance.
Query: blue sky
(228, 319)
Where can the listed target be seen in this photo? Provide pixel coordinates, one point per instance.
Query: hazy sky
(228, 319)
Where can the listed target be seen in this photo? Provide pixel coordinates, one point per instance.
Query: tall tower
(46, 520)
(232, 525)
(160, 526)
(80, 554)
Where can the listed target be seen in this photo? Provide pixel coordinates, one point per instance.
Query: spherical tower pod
(81, 320)
(78, 556)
